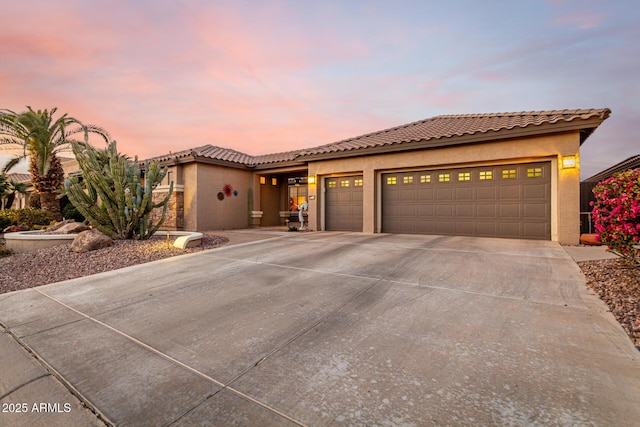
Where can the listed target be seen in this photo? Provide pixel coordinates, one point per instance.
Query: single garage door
(495, 201)
(343, 207)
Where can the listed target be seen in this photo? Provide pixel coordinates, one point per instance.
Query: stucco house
(510, 175)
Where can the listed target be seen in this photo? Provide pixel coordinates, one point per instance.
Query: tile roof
(19, 177)
(632, 162)
(450, 126)
(208, 151)
(439, 130)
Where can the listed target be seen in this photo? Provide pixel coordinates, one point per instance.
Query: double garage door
(491, 201)
(511, 201)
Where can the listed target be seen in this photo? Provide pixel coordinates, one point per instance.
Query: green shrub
(7, 218)
(70, 212)
(29, 217)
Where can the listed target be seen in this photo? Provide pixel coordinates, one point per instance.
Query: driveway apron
(338, 329)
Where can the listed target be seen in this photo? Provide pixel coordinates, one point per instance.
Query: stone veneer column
(174, 218)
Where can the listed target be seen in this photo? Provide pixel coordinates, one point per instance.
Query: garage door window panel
(485, 176)
(534, 172)
(464, 176)
(509, 174)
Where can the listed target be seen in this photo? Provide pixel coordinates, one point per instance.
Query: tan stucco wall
(190, 176)
(565, 193)
(202, 209)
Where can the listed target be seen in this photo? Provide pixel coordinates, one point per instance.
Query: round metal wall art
(227, 190)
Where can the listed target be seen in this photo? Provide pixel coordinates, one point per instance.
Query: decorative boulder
(15, 229)
(90, 240)
(72, 228)
(58, 225)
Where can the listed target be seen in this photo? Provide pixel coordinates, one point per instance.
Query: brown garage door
(494, 201)
(343, 208)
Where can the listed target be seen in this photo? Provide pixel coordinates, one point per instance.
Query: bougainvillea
(616, 214)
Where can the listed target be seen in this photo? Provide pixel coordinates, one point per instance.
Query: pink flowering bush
(616, 214)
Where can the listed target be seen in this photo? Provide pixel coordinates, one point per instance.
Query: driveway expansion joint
(162, 355)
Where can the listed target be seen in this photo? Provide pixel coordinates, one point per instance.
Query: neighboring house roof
(434, 132)
(19, 177)
(632, 162)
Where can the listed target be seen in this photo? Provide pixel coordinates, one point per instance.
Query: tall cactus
(112, 195)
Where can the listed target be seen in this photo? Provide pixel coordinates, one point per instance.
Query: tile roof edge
(603, 113)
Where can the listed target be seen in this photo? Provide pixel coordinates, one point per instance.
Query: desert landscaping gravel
(619, 287)
(57, 263)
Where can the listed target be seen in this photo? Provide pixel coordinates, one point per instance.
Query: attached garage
(512, 201)
(343, 207)
(514, 175)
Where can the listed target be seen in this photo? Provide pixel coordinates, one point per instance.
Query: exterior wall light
(274, 181)
(263, 180)
(311, 179)
(568, 162)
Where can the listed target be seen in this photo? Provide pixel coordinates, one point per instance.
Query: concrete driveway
(339, 329)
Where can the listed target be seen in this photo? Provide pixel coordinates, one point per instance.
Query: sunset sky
(266, 76)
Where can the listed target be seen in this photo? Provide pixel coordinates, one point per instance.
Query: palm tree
(4, 188)
(41, 138)
(13, 189)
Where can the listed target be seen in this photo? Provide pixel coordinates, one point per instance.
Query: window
(464, 176)
(534, 172)
(508, 174)
(332, 184)
(357, 183)
(391, 180)
(425, 179)
(344, 183)
(444, 177)
(486, 175)
(297, 196)
(407, 180)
